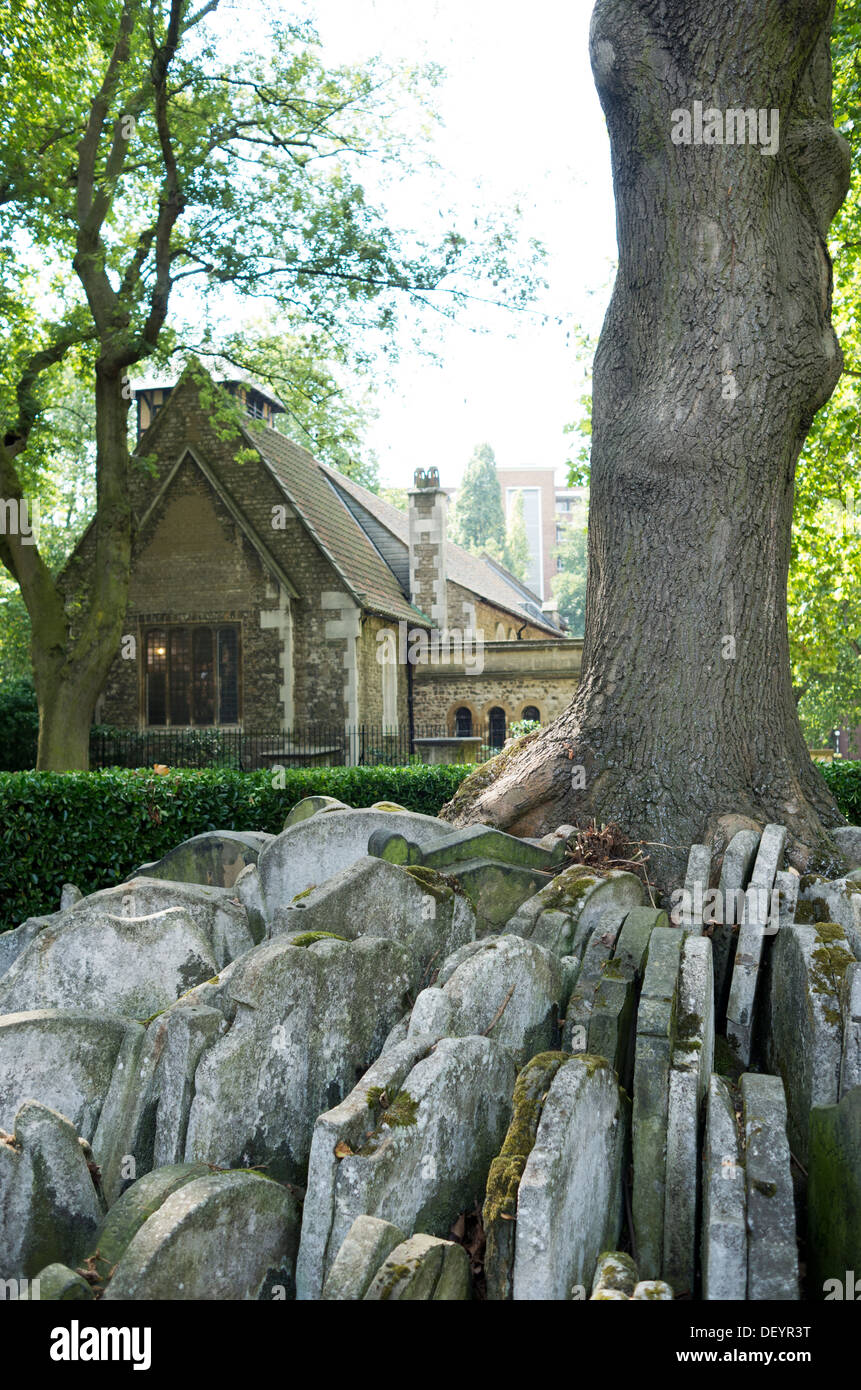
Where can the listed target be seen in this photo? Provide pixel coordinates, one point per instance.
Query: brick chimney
(428, 508)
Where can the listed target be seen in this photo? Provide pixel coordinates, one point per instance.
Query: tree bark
(716, 352)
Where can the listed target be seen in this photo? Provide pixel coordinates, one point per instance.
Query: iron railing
(322, 745)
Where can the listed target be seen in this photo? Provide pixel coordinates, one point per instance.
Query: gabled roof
(306, 485)
(490, 582)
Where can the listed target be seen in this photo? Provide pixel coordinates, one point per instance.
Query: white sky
(522, 124)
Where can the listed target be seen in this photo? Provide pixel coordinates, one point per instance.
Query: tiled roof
(324, 514)
(470, 571)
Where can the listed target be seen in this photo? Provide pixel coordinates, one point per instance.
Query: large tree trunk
(76, 635)
(716, 352)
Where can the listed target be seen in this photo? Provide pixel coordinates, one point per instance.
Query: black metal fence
(319, 745)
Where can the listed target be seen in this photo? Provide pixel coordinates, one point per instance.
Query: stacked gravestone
(850, 1004)
(507, 989)
(772, 1253)
(748, 957)
(655, 1027)
(690, 1069)
(563, 915)
(302, 1023)
(834, 1199)
(805, 1032)
(570, 1199)
(500, 1206)
(738, 861)
(422, 909)
(498, 872)
(412, 1144)
(50, 1208)
(614, 1002)
(724, 1219)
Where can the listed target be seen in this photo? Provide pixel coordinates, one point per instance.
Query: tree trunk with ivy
(716, 352)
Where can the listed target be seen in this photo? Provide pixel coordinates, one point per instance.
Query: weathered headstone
(596, 957)
(81, 1064)
(772, 1252)
(691, 1063)
(307, 1021)
(614, 1270)
(611, 1032)
(509, 990)
(848, 840)
(804, 1042)
(158, 1114)
(423, 1268)
(741, 1005)
(473, 842)
(834, 1198)
(838, 900)
(850, 998)
(216, 858)
(736, 869)
(227, 1236)
(134, 966)
(655, 1017)
(312, 806)
(49, 1207)
(367, 1244)
(69, 895)
(418, 907)
(57, 1283)
(216, 912)
(500, 1205)
(411, 1144)
(310, 851)
(569, 1203)
(134, 1207)
(697, 877)
(13, 943)
(724, 1228)
(563, 915)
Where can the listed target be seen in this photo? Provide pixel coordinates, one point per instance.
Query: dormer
(258, 401)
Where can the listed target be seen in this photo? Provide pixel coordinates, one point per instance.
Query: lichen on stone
(309, 937)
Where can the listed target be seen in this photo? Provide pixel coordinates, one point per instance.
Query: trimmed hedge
(94, 828)
(844, 783)
(19, 725)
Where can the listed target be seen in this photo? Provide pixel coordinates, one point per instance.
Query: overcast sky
(522, 125)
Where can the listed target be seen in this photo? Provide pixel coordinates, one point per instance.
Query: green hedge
(19, 725)
(844, 780)
(93, 828)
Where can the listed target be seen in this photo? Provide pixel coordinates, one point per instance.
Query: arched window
(496, 727)
(463, 722)
(500, 632)
(531, 712)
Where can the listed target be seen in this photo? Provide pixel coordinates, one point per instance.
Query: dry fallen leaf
(343, 1150)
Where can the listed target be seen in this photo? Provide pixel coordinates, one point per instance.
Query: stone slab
(49, 1206)
(509, 990)
(569, 1203)
(306, 1021)
(311, 851)
(422, 1269)
(367, 1244)
(655, 1025)
(724, 1224)
(804, 1043)
(230, 1236)
(411, 1144)
(772, 1252)
(834, 1198)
